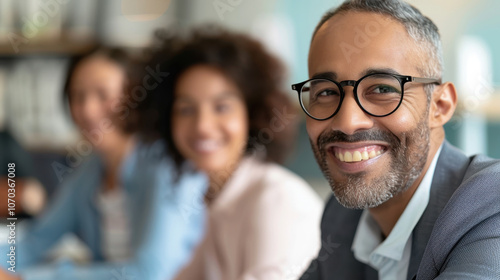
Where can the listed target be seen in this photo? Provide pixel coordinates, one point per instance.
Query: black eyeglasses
(377, 94)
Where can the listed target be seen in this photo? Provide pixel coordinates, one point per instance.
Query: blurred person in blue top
(122, 201)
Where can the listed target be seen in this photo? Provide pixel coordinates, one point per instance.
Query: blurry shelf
(488, 107)
(47, 47)
(491, 107)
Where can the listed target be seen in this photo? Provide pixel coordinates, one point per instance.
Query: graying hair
(420, 28)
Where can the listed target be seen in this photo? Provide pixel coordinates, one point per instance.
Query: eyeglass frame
(403, 79)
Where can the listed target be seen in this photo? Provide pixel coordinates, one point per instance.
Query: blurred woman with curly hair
(222, 110)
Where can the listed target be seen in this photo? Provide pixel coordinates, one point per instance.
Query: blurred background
(38, 37)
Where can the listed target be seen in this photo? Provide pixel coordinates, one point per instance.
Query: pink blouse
(265, 224)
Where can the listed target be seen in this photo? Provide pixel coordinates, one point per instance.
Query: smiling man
(406, 203)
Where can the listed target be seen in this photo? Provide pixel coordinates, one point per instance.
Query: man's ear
(443, 104)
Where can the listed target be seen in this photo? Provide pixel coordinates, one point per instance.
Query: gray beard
(408, 161)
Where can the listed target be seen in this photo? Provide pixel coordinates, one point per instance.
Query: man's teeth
(357, 156)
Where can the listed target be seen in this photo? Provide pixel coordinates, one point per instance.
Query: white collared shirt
(115, 224)
(391, 257)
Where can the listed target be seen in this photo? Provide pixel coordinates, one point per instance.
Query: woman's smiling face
(209, 120)
(96, 86)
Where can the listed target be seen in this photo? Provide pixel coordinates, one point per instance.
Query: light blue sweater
(166, 219)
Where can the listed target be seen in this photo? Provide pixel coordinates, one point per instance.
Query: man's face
(394, 149)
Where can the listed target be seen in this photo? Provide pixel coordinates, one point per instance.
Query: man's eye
(326, 93)
(381, 89)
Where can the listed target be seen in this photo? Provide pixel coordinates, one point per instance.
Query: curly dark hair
(258, 74)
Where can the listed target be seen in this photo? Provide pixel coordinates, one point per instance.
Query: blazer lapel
(336, 259)
(450, 170)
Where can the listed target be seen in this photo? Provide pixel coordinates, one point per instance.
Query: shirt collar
(368, 243)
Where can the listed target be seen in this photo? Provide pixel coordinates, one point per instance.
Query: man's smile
(356, 157)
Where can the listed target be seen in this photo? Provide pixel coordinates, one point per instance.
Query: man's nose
(351, 118)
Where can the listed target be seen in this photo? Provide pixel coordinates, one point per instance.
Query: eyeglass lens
(378, 94)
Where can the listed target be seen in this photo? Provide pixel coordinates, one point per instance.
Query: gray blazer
(457, 237)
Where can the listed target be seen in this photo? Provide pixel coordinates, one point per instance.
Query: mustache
(335, 136)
